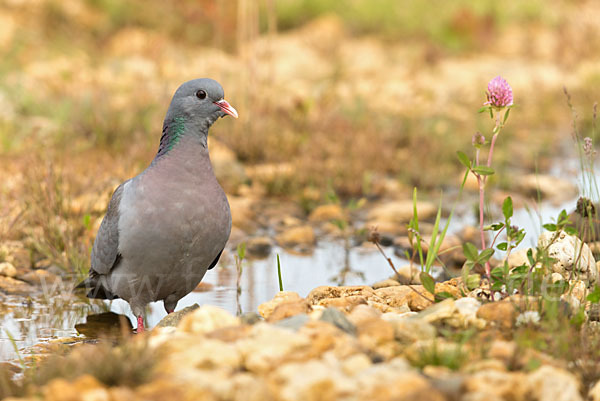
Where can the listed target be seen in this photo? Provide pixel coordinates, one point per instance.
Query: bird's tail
(96, 288)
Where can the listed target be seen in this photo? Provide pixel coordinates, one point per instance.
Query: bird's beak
(227, 108)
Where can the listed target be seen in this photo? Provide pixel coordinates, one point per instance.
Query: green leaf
(594, 296)
(466, 271)
(497, 273)
(571, 230)
(241, 250)
(483, 170)
(279, 274)
(522, 269)
(520, 236)
(87, 221)
(530, 257)
(579, 318)
(503, 246)
(483, 109)
(505, 116)
(550, 226)
(563, 217)
(473, 281)
(558, 288)
(428, 282)
(485, 255)
(470, 251)
(440, 296)
(507, 208)
(436, 242)
(464, 159)
(496, 226)
(415, 222)
(464, 180)
(497, 286)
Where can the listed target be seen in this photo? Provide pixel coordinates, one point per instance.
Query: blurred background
(356, 98)
(344, 107)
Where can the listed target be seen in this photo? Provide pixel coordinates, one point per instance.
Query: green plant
(130, 364)
(437, 237)
(448, 354)
(498, 104)
(279, 274)
(239, 258)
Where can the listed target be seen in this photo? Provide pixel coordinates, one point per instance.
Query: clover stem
(491, 152)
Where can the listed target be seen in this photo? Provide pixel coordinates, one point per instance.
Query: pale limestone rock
(325, 213)
(267, 346)
(301, 235)
(594, 393)
(9, 285)
(468, 307)
(324, 292)
(189, 353)
(576, 295)
(502, 313)
(7, 269)
(207, 318)
(385, 283)
(438, 312)
(449, 313)
(395, 380)
(355, 364)
(551, 383)
(401, 211)
(265, 309)
(503, 350)
(40, 277)
(572, 256)
(410, 328)
(363, 313)
(519, 257)
(395, 296)
(314, 380)
(496, 384)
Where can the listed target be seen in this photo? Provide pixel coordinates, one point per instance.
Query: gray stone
(294, 322)
(339, 320)
(173, 319)
(250, 318)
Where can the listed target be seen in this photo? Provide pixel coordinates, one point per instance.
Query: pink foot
(140, 327)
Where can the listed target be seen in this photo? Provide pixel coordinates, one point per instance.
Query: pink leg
(140, 327)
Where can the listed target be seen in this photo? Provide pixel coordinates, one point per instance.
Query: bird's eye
(201, 94)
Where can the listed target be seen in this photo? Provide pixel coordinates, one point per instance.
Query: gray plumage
(165, 227)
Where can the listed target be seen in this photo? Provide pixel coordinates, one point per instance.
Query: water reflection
(103, 325)
(29, 321)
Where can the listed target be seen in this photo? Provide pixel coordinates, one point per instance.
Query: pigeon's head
(200, 99)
